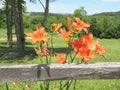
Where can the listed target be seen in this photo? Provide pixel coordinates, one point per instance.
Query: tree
(9, 22)
(8, 9)
(80, 12)
(46, 13)
(93, 27)
(46, 10)
(17, 14)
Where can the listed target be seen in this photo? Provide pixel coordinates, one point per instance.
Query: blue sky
(68, 6)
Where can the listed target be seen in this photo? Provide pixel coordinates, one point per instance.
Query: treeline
(104, 25)
(32, 19)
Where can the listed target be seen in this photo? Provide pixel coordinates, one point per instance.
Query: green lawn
(80, 85)
(113, 55)
(60, 46)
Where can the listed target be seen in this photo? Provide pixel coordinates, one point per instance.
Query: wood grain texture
(36, 72)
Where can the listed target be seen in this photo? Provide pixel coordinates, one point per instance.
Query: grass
(3, 33)
(60, 46)
(113, 50)
(112, 46)
(80, 85)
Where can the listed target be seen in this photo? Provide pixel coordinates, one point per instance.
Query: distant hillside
(41, 13)
(116, 14)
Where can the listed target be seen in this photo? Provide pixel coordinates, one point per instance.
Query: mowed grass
(60, 46)
(111, 84)
(113, 50)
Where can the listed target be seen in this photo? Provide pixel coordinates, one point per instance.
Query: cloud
(111, 0)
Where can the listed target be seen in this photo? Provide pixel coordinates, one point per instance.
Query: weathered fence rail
(35, 72)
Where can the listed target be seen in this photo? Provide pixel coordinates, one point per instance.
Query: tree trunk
(21, 22)
(9, 23)
(18, 27)
(46, 13)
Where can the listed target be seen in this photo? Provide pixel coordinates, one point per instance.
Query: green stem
(52, 50)
(82, 60)
(67, 85)
(41, 59)
(69, 52)
(72, 59)
(7, 87)
(74, 88)
(38, 85)
(47, 85)
(60, 87)
(47, 61)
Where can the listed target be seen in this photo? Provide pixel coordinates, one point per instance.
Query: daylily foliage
(84, 45)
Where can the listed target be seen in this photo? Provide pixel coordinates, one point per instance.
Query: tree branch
(42, 4)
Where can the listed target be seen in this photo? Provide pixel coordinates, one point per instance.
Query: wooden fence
(36, 72)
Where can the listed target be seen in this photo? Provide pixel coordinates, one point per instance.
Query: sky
(68, 6)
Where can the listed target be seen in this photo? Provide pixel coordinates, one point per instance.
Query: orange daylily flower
(84, 40)
(69, 24)
(42, 52)
(38, 35)
(66, 35)
(83, 47)
(86, 60)
(77, 44)
(80, 25)
(100, 50)
(86, 46)
(56, 26)
(85, 52)
(61, 58)
(89, 40)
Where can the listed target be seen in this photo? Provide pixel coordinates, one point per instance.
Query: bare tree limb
(42, 4)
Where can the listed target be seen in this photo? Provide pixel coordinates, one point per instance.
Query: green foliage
(80, 12)
(2, 19)
(32, 19)
(105, 26)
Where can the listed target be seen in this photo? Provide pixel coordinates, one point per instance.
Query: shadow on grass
(61, 50)
(29, 51)
(30, 54)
